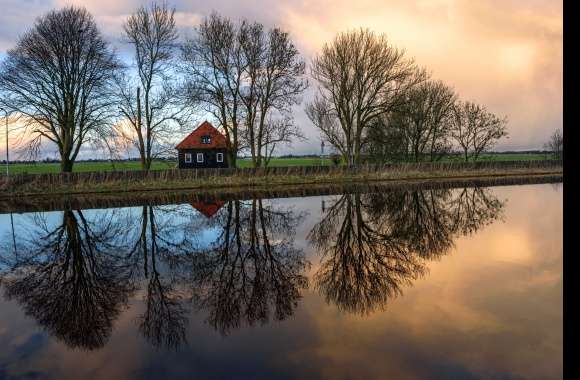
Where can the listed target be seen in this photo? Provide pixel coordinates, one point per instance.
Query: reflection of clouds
(374, 245)
(475, 313)
(473, 316)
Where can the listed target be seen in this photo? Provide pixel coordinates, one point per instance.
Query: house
(205, 147)
(209, 208)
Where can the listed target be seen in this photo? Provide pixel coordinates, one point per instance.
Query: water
(457, 283)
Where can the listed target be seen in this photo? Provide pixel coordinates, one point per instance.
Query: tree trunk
(142, 154)
(66, 165)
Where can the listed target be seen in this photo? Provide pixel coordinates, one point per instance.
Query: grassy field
(40, 168)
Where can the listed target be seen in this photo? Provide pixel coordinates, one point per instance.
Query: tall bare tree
(360, 77)
(213, 62)
(475, 129)
(421, 125)
(273, 83)
(60, 77)
(556, 144)
(152, 107)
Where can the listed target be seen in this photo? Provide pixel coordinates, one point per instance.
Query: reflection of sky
(492, 307)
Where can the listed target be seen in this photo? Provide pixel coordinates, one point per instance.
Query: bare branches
(246, 78)
(153, 107)
(60, 76)
(361, 76)
(273, 83)
(213, 64)
(475, 129)
(420, 125)
(556, 144)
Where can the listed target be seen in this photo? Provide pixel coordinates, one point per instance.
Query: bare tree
(475, 129)
(273, 82)
(319, 111)
(213, 63)
(60, 77)
(420, 127)
(556, 144)
(152, 107)
(360, 77)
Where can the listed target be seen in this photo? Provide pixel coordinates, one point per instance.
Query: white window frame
(187, 158)
(219, 157)
(198, 156)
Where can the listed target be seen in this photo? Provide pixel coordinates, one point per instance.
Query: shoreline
(104, 199)
(95, 183)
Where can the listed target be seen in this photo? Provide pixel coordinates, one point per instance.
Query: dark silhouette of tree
(421, 219)
(273, 84)
(556, 144)
(71, 279)
(363, 266)
(249, 79)
(161, 253)
(251, 268)
(475, 129)
(214, 65)
(151, 105)
(360, 76)
(373, 245)
(60, 77)
(417, 130)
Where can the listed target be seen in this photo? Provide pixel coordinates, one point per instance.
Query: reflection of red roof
(208, 208)
(193, 140)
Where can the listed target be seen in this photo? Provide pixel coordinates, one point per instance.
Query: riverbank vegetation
(136, 181)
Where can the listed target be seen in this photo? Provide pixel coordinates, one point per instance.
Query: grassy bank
(55, 202)
(93, 166)
(107, 182)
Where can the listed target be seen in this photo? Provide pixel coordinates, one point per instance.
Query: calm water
(458, 283)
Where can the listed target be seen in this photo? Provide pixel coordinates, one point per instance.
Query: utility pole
(7, 154)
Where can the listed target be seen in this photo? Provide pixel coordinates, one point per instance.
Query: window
(205, 139)
(220, 157)
(200, 157)
(187, 158)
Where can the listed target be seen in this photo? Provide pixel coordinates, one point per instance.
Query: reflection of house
(205, 147)
(208, 208)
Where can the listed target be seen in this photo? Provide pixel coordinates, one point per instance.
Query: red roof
(208, 208)
(193, 140)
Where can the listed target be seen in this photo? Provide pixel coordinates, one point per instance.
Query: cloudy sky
(505, 54)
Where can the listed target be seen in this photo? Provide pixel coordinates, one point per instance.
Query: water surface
(460, 283)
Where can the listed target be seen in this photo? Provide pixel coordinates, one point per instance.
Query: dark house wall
(209, 155)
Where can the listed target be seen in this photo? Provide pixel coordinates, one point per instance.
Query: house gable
(206, 136)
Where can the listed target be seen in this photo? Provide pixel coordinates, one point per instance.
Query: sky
(506, 55)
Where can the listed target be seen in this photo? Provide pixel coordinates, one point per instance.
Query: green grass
(247, 163)
(40, 168)
(506, 157)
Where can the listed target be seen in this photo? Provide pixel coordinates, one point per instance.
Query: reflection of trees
(69, 279)
(374, 244)
(78, 272)
(250, 268)
(161, 242)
